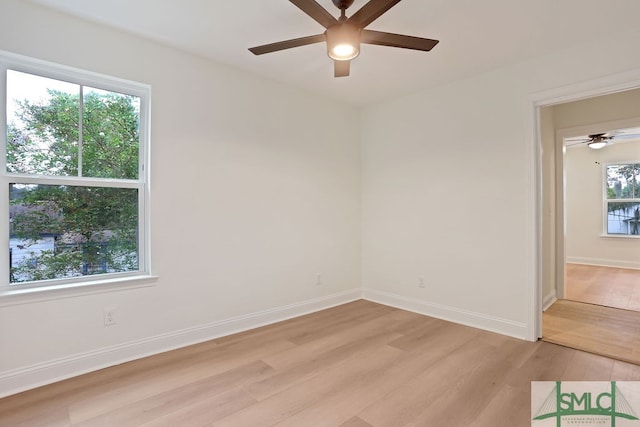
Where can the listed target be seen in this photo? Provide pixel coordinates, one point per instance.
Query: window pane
(623, 218)
(42, 125)
(623, 182)
(110, 134)
(68, 231)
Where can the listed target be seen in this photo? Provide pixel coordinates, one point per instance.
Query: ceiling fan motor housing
(343, 34)
(343, 4)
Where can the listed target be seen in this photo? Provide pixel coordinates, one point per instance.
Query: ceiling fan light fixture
(598, 141)
(343, 42)
(343, 51)
(597, 144)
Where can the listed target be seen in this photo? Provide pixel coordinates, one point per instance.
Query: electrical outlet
(318, 279)
(421, 283)
(109, 316)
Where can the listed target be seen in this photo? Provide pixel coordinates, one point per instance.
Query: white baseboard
(452, 314)
(548, 300)
(12, 382)
(604, 262)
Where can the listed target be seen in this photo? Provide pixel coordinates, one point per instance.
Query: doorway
(577, 233)
(601, 191)
(572, 268)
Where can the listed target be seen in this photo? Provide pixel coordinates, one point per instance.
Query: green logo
(610, 404)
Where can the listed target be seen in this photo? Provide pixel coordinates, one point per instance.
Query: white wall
(600, 109)
(584, 208)
(252, 196)
(448, 192)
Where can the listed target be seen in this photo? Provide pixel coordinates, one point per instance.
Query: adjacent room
(593, 263)
(298, 234)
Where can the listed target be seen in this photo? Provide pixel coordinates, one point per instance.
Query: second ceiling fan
(344, 35)
(597, 141)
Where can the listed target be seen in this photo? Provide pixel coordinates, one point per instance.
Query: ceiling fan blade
(315, 11)
(572, 143)
(287, 44)
(341, 68)
(371, 11)
(627, 136)
(397, 40)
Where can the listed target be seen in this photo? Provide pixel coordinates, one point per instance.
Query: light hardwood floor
(601, 313)
(595, 328)
(356, 365)
(612, 287)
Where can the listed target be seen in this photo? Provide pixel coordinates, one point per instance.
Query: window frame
(606, 200)
(90, 283)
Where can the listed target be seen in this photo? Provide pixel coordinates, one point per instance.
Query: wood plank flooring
(613, 287)
(602, 330)
(357, 365)
(601, 313)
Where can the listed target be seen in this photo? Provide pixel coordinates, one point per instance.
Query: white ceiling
(475, 36)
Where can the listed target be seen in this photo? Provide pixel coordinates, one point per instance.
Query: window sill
(71, 290)
(620, 236)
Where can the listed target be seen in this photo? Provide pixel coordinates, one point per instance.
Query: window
(622, 202)
(75, 187)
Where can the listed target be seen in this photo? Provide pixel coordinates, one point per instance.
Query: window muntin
(622, 204)
(74, 176)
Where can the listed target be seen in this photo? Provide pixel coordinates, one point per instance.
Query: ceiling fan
(344, 35)
(595, 141)
(600, 140)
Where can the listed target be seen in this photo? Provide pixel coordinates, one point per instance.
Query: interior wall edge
(452, 314)
(19, 380)
(548, 300)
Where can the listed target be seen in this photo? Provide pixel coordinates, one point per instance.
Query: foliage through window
(623, 199)
(74, 175)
